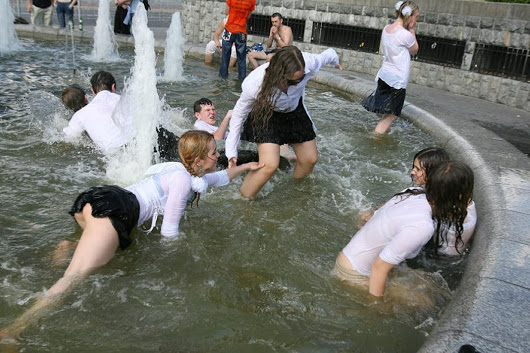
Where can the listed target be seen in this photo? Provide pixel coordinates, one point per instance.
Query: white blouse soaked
(396, 232)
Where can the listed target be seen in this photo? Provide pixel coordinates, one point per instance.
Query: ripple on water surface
(243, 275)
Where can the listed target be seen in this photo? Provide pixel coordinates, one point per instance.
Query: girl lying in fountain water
(107, 214)
(404, 224)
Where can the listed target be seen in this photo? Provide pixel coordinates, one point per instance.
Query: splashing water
(174, 52)
(105, 47)
(139, 100)
(8, 36)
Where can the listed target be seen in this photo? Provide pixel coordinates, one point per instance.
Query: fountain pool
(244, 276)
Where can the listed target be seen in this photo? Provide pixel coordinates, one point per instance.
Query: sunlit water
(244, 276)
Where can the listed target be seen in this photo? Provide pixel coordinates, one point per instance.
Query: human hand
(366, 215)
(251, 166)
(232, 162)
(8, 343)
(274, 30)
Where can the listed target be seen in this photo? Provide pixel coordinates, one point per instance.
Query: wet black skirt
(120, 205)
(292, 127)
(385, 99)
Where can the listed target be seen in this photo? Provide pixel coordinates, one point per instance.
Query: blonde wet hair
(406, 11)
(194, 144)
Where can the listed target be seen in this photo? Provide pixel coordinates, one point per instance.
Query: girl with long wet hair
(447, 241)
(404, 224)
(272, 113)
(107, 214)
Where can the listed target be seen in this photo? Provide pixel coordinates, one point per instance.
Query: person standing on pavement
(235, 31)
(41, 12)
(399, 43)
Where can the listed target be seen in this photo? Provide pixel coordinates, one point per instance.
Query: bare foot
(7, 343)
(62, 252)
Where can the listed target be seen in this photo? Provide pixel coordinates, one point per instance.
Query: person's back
(238, 15)
(397, 231)
(96, 117)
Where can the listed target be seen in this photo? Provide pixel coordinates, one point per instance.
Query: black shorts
(292, 127)
(385, 99)
(114, 202)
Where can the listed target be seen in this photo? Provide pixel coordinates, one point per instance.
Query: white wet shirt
(396, 57)
(96, 119)
(396, 232)
(447, 246)
(165, 190)
(201, 125)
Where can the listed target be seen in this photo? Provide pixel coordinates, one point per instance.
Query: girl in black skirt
(273, 111)
(399, 43)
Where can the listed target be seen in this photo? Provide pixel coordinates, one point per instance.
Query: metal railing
(502, 61)
(441, 51)
(348, 37)
(261, 24)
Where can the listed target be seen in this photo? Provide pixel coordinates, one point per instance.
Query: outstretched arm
(239, 169)
(220, 133)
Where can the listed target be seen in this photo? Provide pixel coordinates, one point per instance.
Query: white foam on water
(174, 51)
(105, 47)
(8, 37)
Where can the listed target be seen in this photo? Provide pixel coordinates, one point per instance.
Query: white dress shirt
(96, 119)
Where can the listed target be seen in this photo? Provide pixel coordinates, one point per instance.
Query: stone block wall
(475, 22)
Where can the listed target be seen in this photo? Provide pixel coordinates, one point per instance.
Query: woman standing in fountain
(272, 102)
(108, 214)
(399, 43)
(403, 225)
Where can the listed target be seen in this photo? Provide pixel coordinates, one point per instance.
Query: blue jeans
(241, 49)
(63, 11)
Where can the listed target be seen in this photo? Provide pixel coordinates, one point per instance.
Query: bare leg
(384, 124)
(96, 247)
(269, 153)
(254, 56)
(306, 156)
(208, 58)
(62, 252)
(232, 62)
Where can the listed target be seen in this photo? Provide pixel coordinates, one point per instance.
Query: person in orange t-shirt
(235, 31)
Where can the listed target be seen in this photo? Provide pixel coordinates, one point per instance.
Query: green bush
(514, 1)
